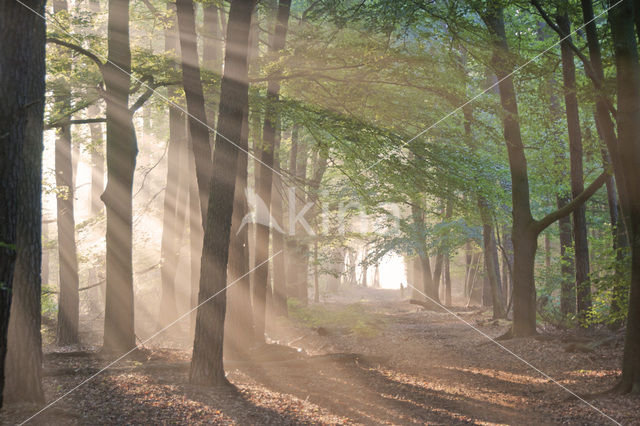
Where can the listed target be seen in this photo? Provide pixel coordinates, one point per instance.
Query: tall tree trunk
(24, 353)
(195, 239)
(277, 239)
(239, 327)
(199, 134)
(567, 287)
(302, 253)
(177, 137)
(604, 121)
(581, 248)
(316, 278)
(491, 264)
(21, 111)
(628, 120)
(122, 149)
(291, 246)
(206, 361)
(97, 162)
(264, 173)
(68, 301)
(447, 281)
(523, 236)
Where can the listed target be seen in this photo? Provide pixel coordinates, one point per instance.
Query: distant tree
(69, 300)
(264, 173)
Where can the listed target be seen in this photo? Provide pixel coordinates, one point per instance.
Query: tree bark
(122, 149)
(628, 120)
(523, 236)
(567, 287)
(239, 323)
(199, 133)
(277, 239)
(68, 300)
(581, 245)
(447, 281)
(264, 173)
(23, 362)
(97, 162)
(169, 250)
(604, 121)
(206, 361)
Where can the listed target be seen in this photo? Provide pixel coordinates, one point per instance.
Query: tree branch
(543, 223)
(151, 88)
(78, 49)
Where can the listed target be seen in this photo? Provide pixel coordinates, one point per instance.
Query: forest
(319, 212)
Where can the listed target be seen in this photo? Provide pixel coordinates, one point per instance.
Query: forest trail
(414, 367)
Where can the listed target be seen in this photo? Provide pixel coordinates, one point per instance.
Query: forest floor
(365, 357)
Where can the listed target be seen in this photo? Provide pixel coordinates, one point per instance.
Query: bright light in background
(392, 272)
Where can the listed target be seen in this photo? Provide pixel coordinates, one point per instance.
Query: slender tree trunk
(302, 246)
(628, 120)
(21, 113)
(567, 287)
(491, 264)
(169, 252)
(277, 239)
(316, 278)
(45, 253)
(24, 354)
(195, 238)
(604, 121)
(68, 301)
(264, 174)
(199, 134)
(447, 281)
(97, 162)
(291, 246)
(122, 149)
(206, 361)
(581, 249)
(523, 236)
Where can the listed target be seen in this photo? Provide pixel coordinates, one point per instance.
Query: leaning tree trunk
(206, 362)
(24, 354)
(581, 247)
(628, 119)
(264, 174)
(21, 104)
(122, 149)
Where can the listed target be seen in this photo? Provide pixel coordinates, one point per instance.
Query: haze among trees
(319, 212)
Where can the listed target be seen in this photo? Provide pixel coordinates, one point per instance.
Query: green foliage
(354, 317)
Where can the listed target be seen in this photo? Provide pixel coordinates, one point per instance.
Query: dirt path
(421, 367)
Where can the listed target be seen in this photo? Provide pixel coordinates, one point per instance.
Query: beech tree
(206, 362)
(21, 112)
